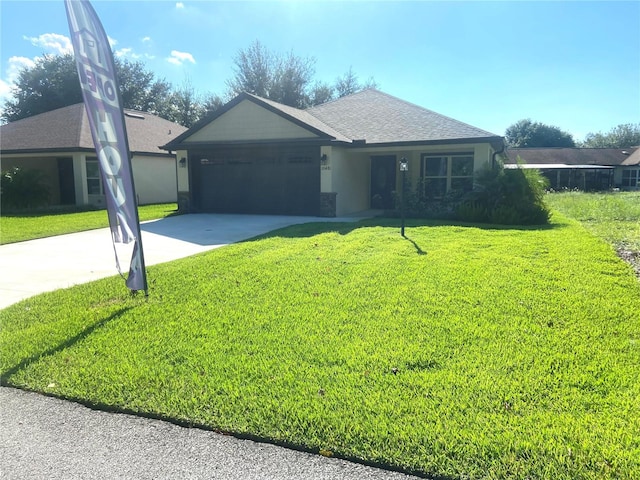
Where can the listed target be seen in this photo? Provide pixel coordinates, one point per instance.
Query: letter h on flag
(96, 70)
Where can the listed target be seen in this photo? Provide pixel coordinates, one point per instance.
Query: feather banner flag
(96, 70)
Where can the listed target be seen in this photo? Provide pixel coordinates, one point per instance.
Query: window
(446, 173)
(94, 182)
(630, 177)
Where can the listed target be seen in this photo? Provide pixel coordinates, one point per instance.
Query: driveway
(48, 264)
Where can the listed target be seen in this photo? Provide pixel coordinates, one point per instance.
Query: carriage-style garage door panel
(268, 180)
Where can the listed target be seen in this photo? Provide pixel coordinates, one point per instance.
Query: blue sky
(575, 65)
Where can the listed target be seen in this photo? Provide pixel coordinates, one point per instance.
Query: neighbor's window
(630, 178)
(442, 174)
(94, 182)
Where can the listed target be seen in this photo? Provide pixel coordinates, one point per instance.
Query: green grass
(21, 227)
(614, 217)
(460, 352)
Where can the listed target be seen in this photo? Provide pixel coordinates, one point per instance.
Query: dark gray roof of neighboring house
(377, 117)
(369, 115)
(574, 156)
(67, 129)
(634, 158)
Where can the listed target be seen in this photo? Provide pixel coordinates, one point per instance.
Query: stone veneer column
(328, 204)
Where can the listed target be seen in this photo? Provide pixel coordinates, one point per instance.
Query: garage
(262, 179)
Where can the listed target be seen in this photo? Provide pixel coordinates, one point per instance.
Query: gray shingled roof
(68, 129)
(377, 117)
(575, 156)
(369, 115)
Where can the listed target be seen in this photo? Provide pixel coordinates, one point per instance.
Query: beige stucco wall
(351, 179)
(183, 171)
(348, 172)
(155, 179)
(248, 121)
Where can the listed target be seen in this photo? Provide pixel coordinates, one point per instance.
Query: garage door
(266, 180)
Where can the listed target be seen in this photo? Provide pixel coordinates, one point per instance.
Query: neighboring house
(582, 168)
(258, 156)
(59, 144)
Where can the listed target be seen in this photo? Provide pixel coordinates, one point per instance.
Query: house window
(94, 182)
(446, 173)
(630, 178)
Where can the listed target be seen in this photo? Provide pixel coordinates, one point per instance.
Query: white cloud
(179, 5)
(127, 53)
(146, 39)
(178, 58)
(14, 65)
(52, 43)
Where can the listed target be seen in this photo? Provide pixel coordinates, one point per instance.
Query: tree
(53, 83)
(286, 79)
(623, 136)
(526, 133)
(348, 84)
(321, 93)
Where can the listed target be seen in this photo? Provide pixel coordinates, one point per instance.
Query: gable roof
(575, 156)
(67, 129)
(369, 116)
(377, 117)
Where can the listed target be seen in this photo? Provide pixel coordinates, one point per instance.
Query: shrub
(505, 197)
(21, 189)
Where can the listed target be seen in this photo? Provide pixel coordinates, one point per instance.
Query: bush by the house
(22, 189)
(499, 196)
(506, 197)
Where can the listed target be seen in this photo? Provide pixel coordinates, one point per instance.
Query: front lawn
(614, 217)
(20, 227)
(460, 352)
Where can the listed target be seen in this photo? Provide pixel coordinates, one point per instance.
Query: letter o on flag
(111, 160)
(109, 90)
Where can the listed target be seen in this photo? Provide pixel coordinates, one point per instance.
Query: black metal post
(404, 166)
(404, 172)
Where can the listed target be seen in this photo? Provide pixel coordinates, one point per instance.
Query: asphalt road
(48, 438)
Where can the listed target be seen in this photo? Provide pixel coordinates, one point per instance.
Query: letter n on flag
(96, 70)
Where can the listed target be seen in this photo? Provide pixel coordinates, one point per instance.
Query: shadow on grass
(419, 250)
(344, 228)
(4, 376)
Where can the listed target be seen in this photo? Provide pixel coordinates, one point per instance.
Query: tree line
(52, 83)
(526, 133)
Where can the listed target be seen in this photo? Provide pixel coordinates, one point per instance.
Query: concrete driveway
(48, 264)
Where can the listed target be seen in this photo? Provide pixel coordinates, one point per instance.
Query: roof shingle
(369, 115)
(377, 117)
(575, 156)
(68, 128)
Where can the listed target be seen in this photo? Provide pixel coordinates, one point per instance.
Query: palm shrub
(507, 197)
(22, 189)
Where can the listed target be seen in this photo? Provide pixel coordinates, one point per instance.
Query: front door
(383, 181)
(67, 181)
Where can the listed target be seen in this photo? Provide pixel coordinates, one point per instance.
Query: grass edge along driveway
(21, 227)
(462, 352)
